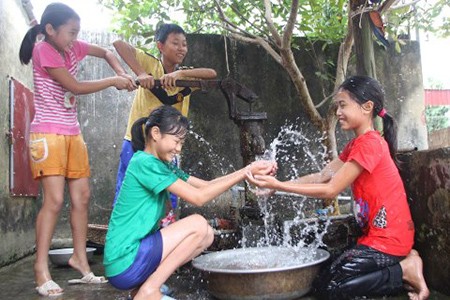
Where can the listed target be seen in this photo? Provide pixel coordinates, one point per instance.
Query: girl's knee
(198, 221)
(209, 236)
(201, 226)
(81, 200)
(53, 204)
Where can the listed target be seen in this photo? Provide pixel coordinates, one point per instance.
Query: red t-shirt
(380, 206)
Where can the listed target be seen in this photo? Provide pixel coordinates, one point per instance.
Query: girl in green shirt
(139, 254)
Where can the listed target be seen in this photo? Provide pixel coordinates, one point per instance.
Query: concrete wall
(427, 179)
(402, 80)
(17, 214)
(439, 138)
(103, 118)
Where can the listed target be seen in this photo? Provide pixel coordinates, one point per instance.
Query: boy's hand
(169, 80)
(146, 81)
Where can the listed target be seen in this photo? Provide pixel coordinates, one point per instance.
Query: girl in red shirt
(383, 259)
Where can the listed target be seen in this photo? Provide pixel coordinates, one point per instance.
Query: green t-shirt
(139, 209)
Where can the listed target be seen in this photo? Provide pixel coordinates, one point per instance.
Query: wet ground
(16, 282)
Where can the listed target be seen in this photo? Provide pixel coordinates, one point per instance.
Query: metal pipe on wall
(28, 7)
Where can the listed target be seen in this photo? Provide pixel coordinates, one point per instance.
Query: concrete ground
(17, 282)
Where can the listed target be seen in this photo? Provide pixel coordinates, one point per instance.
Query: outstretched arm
(70, 83)
(198, 73)
(324, 175)
(199, 192)
(169, 80)
(344, 176)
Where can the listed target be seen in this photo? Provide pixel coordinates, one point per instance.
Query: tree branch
(403, 5)
(230, 24)
(345, 51)
(268, 17)
(300, 85)
(248, 21)
(287, 35)
(259, 41)
(385, 6)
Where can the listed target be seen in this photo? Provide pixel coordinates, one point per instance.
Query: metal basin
(260, 273)
(60, 257)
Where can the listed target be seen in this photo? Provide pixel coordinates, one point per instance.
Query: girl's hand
(262, 181)
(274, 170)
(122, 83)
(132, 84)
(146, 81)
(262, 167)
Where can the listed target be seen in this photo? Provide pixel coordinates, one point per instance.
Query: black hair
(164, 30)
(55, 14)
(167, 118)
(363, 89)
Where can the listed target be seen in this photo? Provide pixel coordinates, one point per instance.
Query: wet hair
(169, 121)
(55, 14)
(363, 89)
(164, 30)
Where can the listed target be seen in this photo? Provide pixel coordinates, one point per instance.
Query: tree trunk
(365, 58)
(365, 55)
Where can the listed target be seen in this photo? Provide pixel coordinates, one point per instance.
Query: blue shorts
(147, 260)
(125, 156)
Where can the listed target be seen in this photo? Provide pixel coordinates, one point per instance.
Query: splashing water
(291, 148)
(294, 149)
(210, 157)
(219, 162)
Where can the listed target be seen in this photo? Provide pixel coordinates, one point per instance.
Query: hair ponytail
(390, 135)
(137, 134)
(26, 48)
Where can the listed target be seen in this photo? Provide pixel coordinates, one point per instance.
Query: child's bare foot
(412, 267)
(153, 294)
(44, 282)
(81, 265)
(408, 287)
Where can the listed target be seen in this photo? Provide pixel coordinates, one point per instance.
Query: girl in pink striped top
(57, 149)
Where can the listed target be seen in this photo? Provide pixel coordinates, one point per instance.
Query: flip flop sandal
(89, 279)
(44, 289)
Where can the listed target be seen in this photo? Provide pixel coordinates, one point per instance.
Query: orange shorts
(56, 154)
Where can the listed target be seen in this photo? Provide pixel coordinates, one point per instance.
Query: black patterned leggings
(361, 271)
